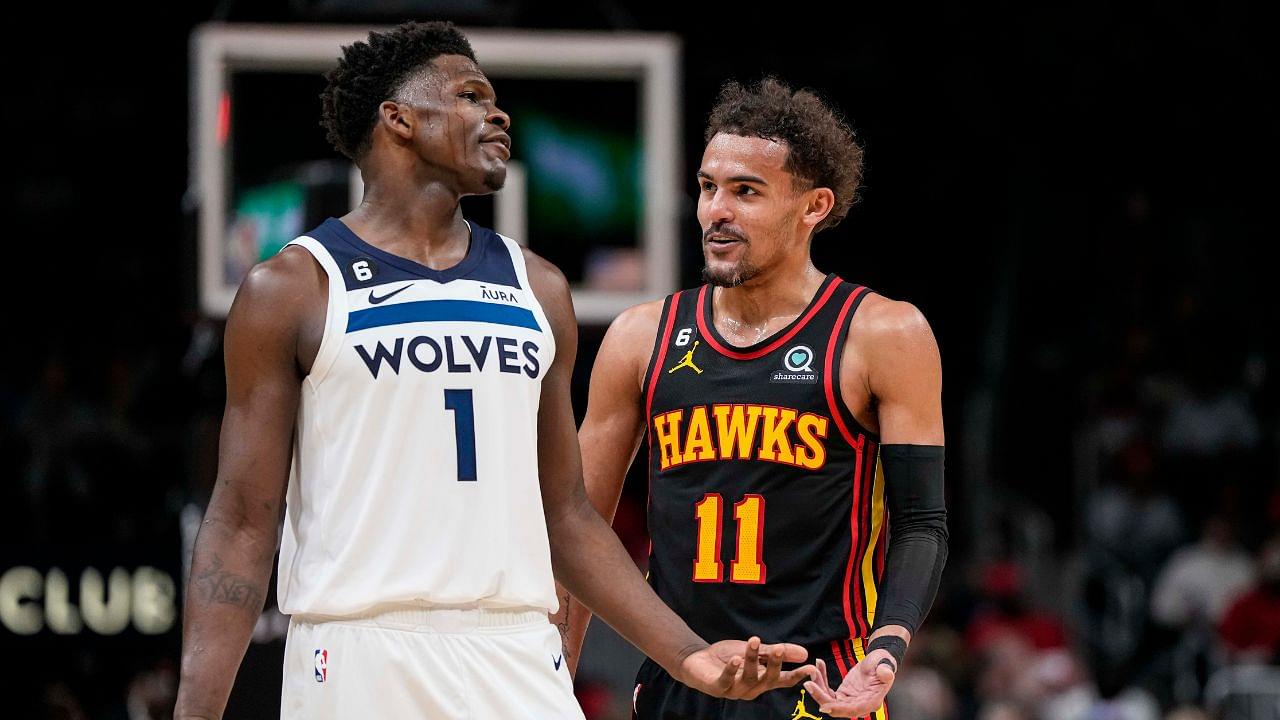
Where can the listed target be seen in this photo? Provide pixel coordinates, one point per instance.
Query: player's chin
(490, 178)
(725, 273)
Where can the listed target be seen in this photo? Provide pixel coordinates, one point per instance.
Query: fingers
(842, 707)
(789, 678)
(819, 687)
(821, 695)
(822, 676)
(884, 673)
(729, 674)
(773, 677)
(791, 652)
(772, 670)
(751, 663)
(753, 680)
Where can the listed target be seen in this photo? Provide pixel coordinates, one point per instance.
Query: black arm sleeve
(917, 549)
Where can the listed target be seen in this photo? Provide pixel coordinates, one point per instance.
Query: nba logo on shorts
(322, 665)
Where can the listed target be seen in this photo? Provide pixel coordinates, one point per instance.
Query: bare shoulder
(892, 357)
(542, 271)
(637, 324)
(280, 289)
(278, 312)
(628, 343)
(891, 326)
(290, 266)
(551, 289)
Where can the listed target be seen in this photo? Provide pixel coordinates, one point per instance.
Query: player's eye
(470, 95)
(746, 190)
(708, 186)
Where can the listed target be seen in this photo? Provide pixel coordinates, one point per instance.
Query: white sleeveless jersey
(415, 465)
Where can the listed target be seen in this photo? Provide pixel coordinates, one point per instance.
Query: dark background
(1077, 199)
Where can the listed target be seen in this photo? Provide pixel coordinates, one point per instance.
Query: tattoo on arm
(216, 585)
(563, 625)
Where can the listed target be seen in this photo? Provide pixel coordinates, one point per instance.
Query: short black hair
(821, 148)
(368, 73)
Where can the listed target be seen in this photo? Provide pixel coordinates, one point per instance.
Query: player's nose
(499, 118)
(719, 209)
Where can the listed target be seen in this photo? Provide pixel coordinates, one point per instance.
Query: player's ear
(818, 204)
(396, 119)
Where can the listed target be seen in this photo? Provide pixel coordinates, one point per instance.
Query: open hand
(862, 691)
(740, 670)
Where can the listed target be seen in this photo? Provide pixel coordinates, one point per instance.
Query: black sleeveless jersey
(766, 507)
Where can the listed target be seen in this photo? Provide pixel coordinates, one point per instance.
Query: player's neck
(421, 222)
(771, 299)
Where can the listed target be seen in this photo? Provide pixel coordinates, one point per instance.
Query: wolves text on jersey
(453, 354)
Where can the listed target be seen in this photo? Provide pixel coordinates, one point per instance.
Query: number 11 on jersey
(748, 562)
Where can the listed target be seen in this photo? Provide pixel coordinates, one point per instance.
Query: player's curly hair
(368, 73)
(821, 146)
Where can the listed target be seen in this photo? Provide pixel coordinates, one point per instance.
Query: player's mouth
(717, 243)
(500, 143)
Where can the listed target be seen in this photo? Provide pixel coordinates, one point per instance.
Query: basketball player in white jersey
(399, 380)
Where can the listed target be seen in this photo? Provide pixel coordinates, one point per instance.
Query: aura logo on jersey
(741, 432)
(453, 354)
(502, 295)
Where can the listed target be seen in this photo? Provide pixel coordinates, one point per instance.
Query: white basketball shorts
(452, 664)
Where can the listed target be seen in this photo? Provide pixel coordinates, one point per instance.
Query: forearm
(571, 620)
(229, 574)
(918, 538)
(603, 490)
(913, 570)
(592, 564)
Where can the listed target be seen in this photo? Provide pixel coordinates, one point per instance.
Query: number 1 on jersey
(710, 514)
(748, 562)
(464, 430)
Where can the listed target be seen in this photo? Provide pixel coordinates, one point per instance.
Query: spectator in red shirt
(1007, 615)
(1251, 627)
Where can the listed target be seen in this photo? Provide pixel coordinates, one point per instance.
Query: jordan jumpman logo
(801, 712)
(687, 360)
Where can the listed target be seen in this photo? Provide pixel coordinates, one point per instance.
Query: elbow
(920, 524)
(239, 530)
(563, 521)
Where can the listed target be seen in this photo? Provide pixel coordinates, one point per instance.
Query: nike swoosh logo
(558, 660)
(374, 299)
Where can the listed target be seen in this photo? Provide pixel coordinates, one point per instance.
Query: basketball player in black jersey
(790, 417)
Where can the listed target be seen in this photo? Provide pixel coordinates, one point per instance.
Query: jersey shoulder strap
(836, 343)
(336, 308)
(671, 308)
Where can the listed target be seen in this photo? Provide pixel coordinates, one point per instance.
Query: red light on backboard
(224, 118)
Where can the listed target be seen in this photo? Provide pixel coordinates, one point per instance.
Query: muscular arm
(588, 559)
(891, 380)
(900, 373)
(237, 540)
(609, 437)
